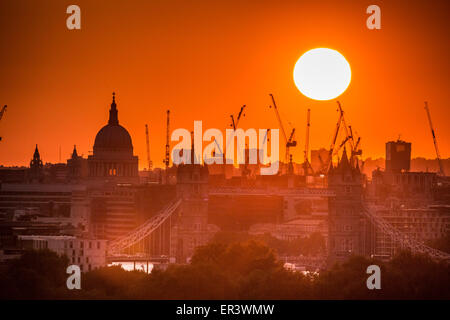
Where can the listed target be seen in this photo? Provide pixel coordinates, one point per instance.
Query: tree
(35, 275)
(239, 270)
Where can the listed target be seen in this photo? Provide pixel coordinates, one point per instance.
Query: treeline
(313, 244)
(243, 270)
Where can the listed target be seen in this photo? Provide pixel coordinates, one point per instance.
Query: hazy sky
(204, 59)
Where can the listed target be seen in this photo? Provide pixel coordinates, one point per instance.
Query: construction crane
(265, 137)
(261, 151)
(348, 129)
(2, 112)
(306, 163)
(234, 124)
(333, 141)
(167, 159)
(339, 147)
(438, 156)
(149, 162)
(349, 138)
(356, 151)
(290, 142)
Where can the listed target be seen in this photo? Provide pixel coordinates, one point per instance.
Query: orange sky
(204, 59)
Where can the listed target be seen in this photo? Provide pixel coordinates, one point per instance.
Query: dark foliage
(36, 275)
(311, 245)
(240, 270)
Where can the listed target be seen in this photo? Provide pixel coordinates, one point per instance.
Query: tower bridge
(183, 224)
(137, 245)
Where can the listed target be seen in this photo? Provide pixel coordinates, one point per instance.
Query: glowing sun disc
(322, 74)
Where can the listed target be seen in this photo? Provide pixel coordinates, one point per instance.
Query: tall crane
(356, 152)
(149, 162)
(234, 124)
(2, 112)
(290, 142)
(438, 156)
(167, 159)
(349, 138)
(265, 137)
(333, 142)
(306, 163)
(348, 129)
(336, 150)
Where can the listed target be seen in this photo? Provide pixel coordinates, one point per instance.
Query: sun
(322, 74)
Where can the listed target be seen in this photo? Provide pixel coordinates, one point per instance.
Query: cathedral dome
(113, 137)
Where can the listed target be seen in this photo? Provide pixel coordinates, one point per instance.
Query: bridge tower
(191, 228)
(347, 227)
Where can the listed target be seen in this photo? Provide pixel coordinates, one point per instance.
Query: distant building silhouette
(77, 166)
(398, 156)
(36, 167)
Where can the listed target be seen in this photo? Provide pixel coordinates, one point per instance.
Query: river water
(130, 266)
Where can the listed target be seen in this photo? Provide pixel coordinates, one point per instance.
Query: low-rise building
(64, 204)
(402, 185)
(88, 254)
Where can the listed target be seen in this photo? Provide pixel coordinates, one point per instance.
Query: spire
(36, 153)
(74, 153)
(343, 163)
(113, 118)
(344, 159)
(36, 162)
